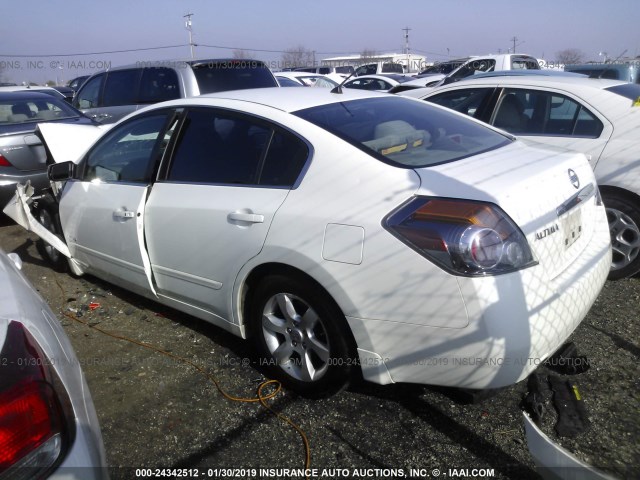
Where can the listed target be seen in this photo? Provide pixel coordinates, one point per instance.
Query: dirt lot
(156, 412)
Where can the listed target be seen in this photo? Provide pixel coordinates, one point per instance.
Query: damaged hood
(68, 142)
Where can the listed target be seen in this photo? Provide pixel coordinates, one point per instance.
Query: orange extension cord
(261, 398)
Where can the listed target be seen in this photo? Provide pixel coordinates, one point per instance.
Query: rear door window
(219, 147)
(158, 85)
(121, 88)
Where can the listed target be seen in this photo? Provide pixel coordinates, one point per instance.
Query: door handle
(246, 217)
(124, 214)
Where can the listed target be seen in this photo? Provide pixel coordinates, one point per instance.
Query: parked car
(34, 88)
(77, 82)
(376, 68)
(47, 418)
(334, 73)
(22, 156)
(287, 82)
(379, 83)
(340, 231)
(67, 92)
(600, 118)
(444, 68)
(489, 63)
(110, 95)
(426, 81)
(627, 72)
(308, 79)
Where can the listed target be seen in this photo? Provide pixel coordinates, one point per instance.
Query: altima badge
(573, 177)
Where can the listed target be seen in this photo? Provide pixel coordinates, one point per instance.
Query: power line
(91, 53)
(222, 47)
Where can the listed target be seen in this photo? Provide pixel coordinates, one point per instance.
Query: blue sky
(53, 28)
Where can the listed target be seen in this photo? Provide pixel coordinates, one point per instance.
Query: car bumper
(515, 322)
(8, 182)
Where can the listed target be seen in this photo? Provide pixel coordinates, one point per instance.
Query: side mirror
(61, 171)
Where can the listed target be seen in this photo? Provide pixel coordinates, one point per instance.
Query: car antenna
(338, 88)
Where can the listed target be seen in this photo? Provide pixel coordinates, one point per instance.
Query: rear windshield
(403, 132)
(28, 110)
(232, 75)
(628, 90)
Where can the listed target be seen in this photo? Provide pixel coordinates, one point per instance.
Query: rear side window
(523, 63)
(89, 94)
(232, 75)
(392, 68)
(470, 101)
(403, 132)
(223, 148)
(121, 88)
(158, 85)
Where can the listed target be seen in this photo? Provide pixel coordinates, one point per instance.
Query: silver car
(22, 156)
(48, 425)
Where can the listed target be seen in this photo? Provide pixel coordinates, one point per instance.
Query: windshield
(403, 132)
(628, 90)
(24, 110)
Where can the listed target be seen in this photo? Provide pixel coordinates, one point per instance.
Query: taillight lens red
(4, 162)
(464, 237)
(34, 429)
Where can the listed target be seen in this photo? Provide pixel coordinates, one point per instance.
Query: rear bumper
(516, 321)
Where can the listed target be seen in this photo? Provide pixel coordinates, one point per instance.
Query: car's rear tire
(46, 213)
(301, 335)
(624, 224)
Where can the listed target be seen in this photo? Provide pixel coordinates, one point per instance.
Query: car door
(102, 211)
(554, 118)
(228, 175)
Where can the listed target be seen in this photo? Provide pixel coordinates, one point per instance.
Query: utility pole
(406, 45)
(514, 40)
(187, 25)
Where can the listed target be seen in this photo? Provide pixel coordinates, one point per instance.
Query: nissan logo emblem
(573, 178)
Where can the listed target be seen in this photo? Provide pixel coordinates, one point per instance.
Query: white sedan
(378, 83)
(305, 79)
(340, 230)
(600, 118)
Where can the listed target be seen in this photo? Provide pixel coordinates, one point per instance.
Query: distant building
(410, 63)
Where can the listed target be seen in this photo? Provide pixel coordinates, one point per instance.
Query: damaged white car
(342, 230)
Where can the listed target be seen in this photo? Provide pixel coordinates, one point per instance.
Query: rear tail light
(4, 162)
(35, 416)
(464, 237)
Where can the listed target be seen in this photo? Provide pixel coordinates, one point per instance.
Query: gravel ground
(156, 412)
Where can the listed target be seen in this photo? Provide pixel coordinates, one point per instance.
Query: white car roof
(21, 88)
(282, 98)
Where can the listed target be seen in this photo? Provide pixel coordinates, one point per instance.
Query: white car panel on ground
(371, 227)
